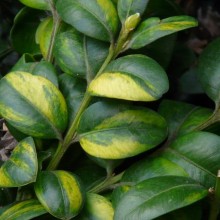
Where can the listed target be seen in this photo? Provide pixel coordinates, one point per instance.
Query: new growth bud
(132, 21)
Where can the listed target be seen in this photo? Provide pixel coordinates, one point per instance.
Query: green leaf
(23, 31)
(37, 4)
(73, 90)
(154, 28)
(97, 208)
(152, 167)
(198, 154)
(130, 7)
(43, 35)
(194, 155)
(22, 166)
(145, 169)
(133, 77)
(22, 210)
(28, 64)
(60, 193)
(183, 118)
(209, 69)
(113, 131)
(95, 18)
(156, 196)
(79, 55)
(33, 105)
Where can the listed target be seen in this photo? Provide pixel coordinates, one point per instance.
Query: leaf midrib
(106, 129)
(190, 161)
(159, 194)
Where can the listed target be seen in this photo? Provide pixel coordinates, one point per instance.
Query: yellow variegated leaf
(33, 105)
(43, 35)
(60, 193)
(94, 18)
(154, 28)
(110, 131)
(22, 166)
(24, 210)
(38, 4)
(133, 77)
(97, 208)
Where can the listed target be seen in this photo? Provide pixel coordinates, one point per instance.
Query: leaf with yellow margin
(22, 166)
(133, 77)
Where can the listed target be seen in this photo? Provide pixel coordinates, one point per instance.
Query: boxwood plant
(82, 85)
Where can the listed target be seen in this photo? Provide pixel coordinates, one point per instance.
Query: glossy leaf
(79, 55)
(27, 209)
(154, 28)
(209, 69)
(33, 105)
(97, 208)
(24, 29)
(145, 169)
(152, 167)
(111, 131)
(195, 154)
(43, 35)
(133, 77)
(156, 196)
(28, 64)
(183, 118)
(95, 18)
(60, 193)
(22, 166)
(198, 154)
(130, 7)
(73, 90)
(37, 4)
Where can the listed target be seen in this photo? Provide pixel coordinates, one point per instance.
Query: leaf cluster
(91, 145)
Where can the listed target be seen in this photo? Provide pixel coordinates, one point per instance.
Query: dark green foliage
(91, 82)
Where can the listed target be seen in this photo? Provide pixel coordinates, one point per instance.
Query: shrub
(85, 84)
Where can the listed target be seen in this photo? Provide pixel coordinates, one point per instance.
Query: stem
(56, 27)
(215, 203)
(215, 117)
(107, 183)
(63, 146)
